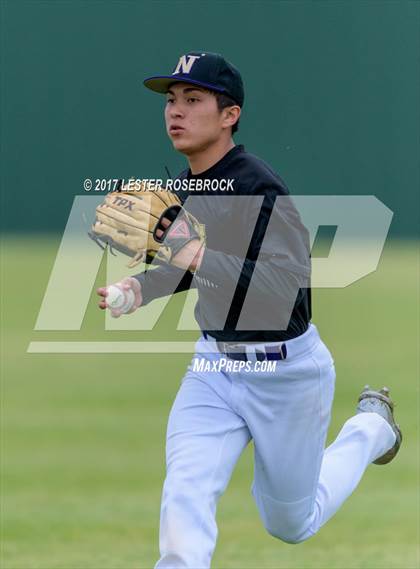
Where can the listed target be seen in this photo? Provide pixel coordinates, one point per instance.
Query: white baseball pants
(298, 485)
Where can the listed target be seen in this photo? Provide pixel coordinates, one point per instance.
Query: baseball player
(252, 275)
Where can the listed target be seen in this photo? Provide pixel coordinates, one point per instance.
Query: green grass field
(83, 434)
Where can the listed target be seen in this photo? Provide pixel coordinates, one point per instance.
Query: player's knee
(289, 535)
(291, 522)
(289, 528)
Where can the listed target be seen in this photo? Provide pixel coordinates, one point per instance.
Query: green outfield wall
(332, 96)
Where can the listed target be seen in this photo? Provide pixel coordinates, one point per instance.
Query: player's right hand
(126, 285)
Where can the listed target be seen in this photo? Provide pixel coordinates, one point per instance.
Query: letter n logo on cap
(184, 65)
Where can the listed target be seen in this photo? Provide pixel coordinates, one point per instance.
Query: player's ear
(231, 116)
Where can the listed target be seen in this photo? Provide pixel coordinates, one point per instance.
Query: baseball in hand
(117, 298)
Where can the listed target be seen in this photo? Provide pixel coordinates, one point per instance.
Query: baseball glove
(127, 221)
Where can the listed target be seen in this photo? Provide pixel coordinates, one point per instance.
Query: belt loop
(276, 354)
(283, 351)
(260, 355)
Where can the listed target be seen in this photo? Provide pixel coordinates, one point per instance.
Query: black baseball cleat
(371, 401)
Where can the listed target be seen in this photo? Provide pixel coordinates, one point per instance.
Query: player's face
(193, 121)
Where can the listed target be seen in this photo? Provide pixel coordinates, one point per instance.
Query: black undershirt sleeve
(163, 281)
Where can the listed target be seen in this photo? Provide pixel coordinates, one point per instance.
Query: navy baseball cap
(208, 70)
